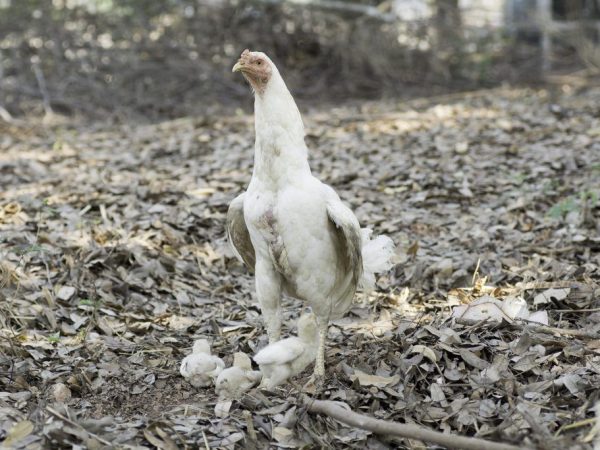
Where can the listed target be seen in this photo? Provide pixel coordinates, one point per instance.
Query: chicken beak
(238, 66)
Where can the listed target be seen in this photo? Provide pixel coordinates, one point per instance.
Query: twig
(534, 285)
(576, 310)
(75, 424)
(554, 330)
(475, 272)
(523, 325)
(546, 251)
(250, 425)
(409, 431)
(206, 446)
(570, 426)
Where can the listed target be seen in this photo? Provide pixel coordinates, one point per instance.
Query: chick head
(201, 346)
(307, 327)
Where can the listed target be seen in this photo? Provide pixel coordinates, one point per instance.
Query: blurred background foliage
(163, 59)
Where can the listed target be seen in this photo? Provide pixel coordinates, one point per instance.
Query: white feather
(280, 352)
(377, 257)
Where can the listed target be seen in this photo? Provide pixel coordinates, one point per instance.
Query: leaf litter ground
(113, 260)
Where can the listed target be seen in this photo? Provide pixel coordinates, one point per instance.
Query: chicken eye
(259, 62)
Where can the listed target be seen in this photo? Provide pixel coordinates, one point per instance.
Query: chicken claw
(314, 385)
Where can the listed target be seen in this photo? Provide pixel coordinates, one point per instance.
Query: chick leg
(268, 291)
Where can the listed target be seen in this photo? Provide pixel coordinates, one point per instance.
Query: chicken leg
(319, 372)
(268, 291)
(317, 380)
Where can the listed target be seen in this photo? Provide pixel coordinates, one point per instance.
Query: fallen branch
(589, 310)
(536, 285)
(409, 431)
(77, 425)
(556, 331)
(532, 326)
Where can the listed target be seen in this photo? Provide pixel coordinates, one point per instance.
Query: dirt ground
(113, 261)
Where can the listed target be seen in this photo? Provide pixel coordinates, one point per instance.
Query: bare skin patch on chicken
(255, 69)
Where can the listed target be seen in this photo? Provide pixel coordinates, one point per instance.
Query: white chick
(234, 381)
(201, 367)
(283, 359)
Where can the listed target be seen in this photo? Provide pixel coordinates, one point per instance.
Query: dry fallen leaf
(222, 408)
(366, 379)
(61, 393)
(549, 294)
(65, 292)
(488, 308)
(425, 351)
(17, 433)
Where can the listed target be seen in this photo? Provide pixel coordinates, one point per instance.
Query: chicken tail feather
(377, 256)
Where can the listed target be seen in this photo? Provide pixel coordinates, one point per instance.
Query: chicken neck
(280, 155)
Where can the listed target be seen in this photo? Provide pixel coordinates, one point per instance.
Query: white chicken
(284, 359)
(233, 382)
(201, 367)
(292, 230)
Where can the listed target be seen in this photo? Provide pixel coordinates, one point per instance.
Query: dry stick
(205, 441)
(589, 310)
(409, 431)
(76, 425)
(536, 327)
(534, 285)
(554, 330)
(250, 425)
